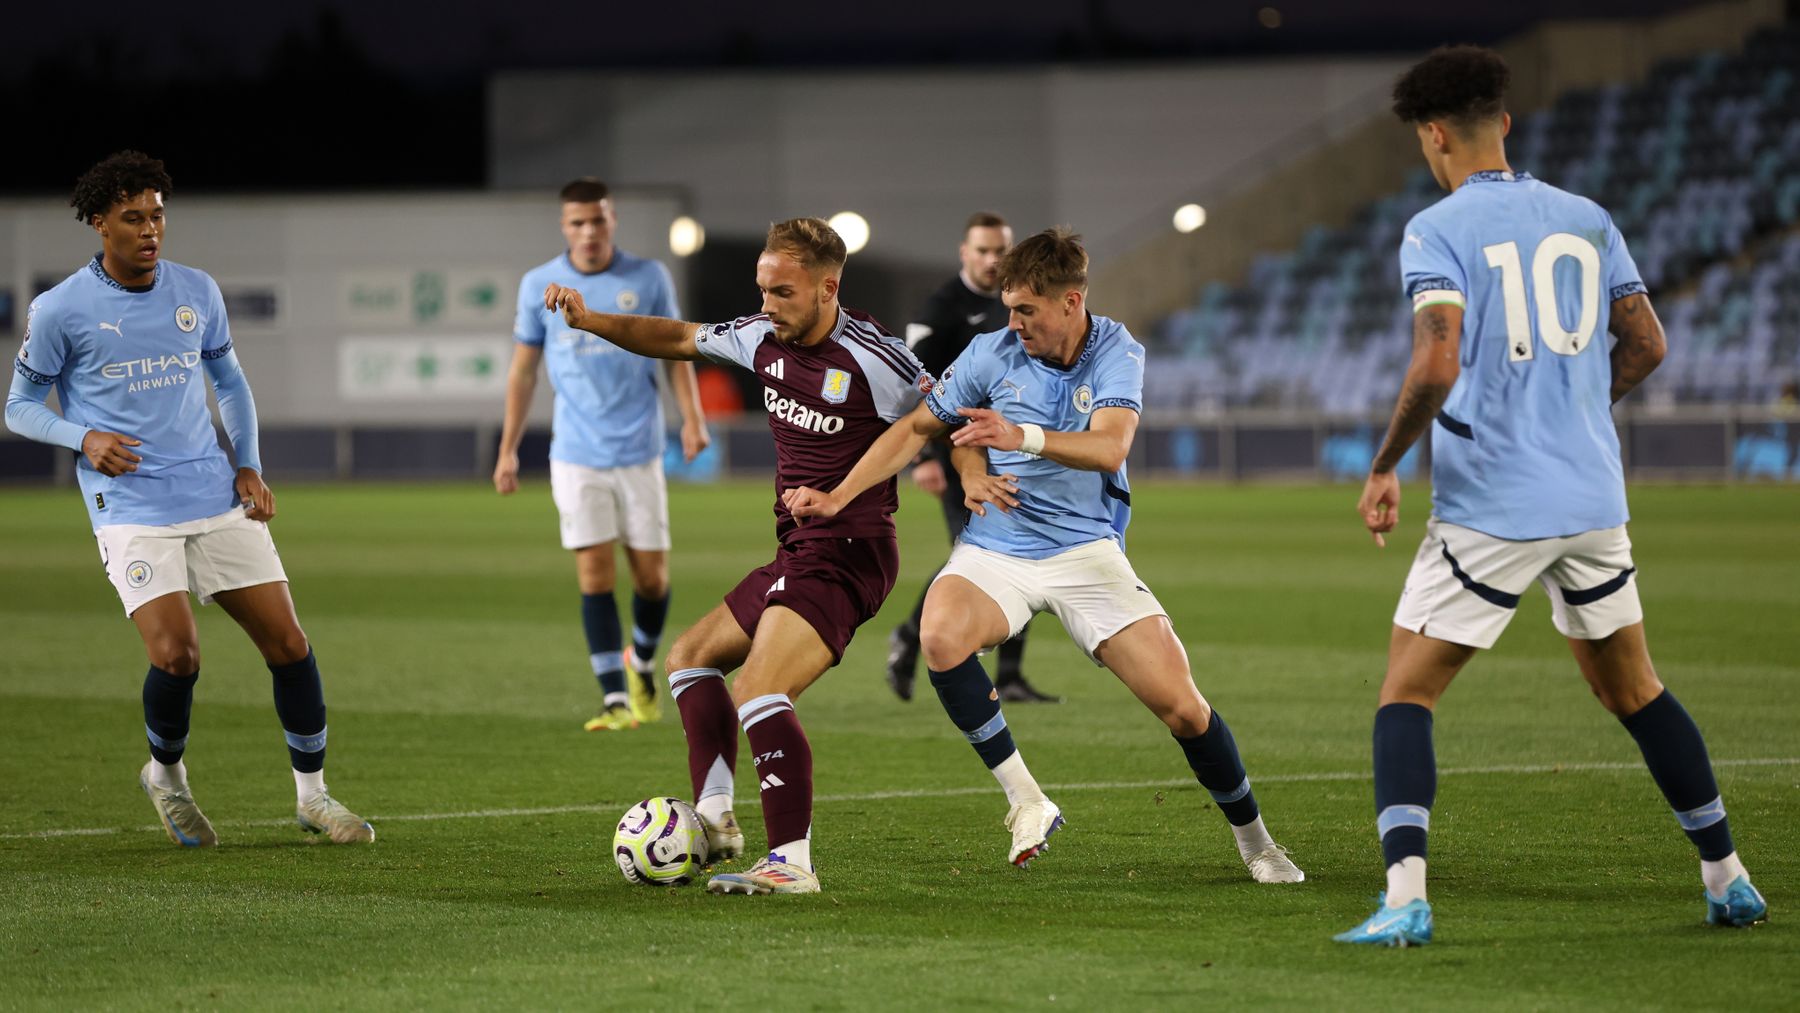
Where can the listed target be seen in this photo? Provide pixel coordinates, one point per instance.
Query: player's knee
(286, 647)
(945, 648)
(1188, 718)
(684, 653)
(653, 586)
(1624, 701)
(178, 656)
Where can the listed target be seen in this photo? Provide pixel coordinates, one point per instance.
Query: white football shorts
(207, 556)
(1465, 585)
(1091, 588)
(598, 504)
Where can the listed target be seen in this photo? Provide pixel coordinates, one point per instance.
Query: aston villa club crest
(186, 318)
(836, 388)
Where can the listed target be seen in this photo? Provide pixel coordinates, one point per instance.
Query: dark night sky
(331, 94)
(453, 37)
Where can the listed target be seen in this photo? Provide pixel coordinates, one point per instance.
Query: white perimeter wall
(387, 307)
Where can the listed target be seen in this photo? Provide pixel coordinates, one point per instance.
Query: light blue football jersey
(1525, 446)
(608, 411)
(1060, 507)
(131, 361)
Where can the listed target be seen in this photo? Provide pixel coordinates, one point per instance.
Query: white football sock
(1252, 838)
(168, 778)
(309, 784)
(612, 700)
(1406, 881)
(1718, 875)
(796, 853)
(713, 808)
(1016, 781)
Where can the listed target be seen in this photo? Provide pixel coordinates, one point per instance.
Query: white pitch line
(910, 793)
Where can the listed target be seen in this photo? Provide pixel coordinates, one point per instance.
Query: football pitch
(446, 624)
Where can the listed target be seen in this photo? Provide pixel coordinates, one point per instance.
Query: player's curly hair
(1049, 263)
(1463, 84)
(117, 176)
(811, 241)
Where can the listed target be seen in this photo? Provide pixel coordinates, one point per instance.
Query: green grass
(446, 624)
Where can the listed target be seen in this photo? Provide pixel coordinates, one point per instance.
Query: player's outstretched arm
(1641, 343)
(1102, 447)
(656, 337)
(28, 414)
(894, 450)
(1437, 344)
(979, 486)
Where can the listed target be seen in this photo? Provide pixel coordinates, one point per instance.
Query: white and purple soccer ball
(660, 842)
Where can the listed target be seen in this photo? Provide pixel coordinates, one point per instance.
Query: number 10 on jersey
(1504, 257)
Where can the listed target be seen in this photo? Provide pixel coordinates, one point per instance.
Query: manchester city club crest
(1084, 399)
(186, 318)
(138, 573)
(836, 388)
(627, 300)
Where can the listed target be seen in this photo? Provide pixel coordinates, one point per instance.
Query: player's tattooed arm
(1437, 343)
(1641, 343)
(656, 337)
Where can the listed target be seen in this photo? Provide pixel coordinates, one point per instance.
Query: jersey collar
(1087, 349)
(100, 272)
(1497, 176)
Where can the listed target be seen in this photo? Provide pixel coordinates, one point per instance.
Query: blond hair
(811, 241)
(1048, 263)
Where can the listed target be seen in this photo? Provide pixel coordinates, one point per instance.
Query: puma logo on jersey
(113, 327)
(1018, 389)
(775, 369)
(1416, 240)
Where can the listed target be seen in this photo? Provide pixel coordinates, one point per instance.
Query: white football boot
(1031, 824)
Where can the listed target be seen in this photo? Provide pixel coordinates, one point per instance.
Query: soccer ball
(660, 842)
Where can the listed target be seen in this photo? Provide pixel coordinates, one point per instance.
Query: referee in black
(964, 306)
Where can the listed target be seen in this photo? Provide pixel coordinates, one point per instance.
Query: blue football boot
(1740, 906)
(1408, 925)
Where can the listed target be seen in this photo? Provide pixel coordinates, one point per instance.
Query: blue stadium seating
(1700, 167)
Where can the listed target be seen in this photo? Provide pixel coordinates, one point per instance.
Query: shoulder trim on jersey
(1118, 402)
(33, 375)
(1456, 427)
(889, 351)
(1629, 288)
(1432, 282)
(751, 319)
(217, 353)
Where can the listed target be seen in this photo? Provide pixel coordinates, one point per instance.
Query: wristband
(1033, 441)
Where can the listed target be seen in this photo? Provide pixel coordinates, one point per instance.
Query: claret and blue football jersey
(1059, 507)
(1525, 446)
